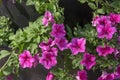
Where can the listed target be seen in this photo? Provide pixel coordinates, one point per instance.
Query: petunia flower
(101, 21)
(48, 17)
(77, 45)
(50, 76)
(61, 43)
(81, 75)
(9, 77)
(95, 21)
(48, 60)
(115, 18)
(46, 45)
(58, 31)
(25, 59)
(105, 31)
(36, 60)
(88, 61)
(104, 51)
(106, 76)
(118, 70)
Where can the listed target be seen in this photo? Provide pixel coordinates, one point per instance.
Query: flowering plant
(67, 56)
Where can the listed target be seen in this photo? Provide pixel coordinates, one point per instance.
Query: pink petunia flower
(101, 21)
(88, 61)
(26, 60)
(106, 76)
(104, 51)
(105, 31)
(61, 43)
(48, 60)
(95, 21)
(9, 77)
(77, 45)
(53, 51)
(81, 75)
(58, 31)
(48, 17)
(115, 18)
(36, 60)
(50, 76)
(46, 45)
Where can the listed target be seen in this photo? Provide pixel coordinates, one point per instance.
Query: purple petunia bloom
(88, 61)
(58, 31)
(77, 45)
(101, 21)
(50, 76)
(118, 70)
(105, 31)
(9, 77)
(36, 59)
(61, 43)
(48, 60)
(53, 51)
(115, 18)
(81, 75)
(104, 51)
(46, 45)
(26, 60)
(48, 17)
(95, 21)
(106, 76)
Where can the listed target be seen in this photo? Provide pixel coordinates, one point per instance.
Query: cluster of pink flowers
(106, 25)
(106, 28)
(110, 76)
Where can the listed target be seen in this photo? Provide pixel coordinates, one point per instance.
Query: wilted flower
(48, 17)
(48, 60)
(61, 43)
(106, 31)
(26, 60)
(50, 76)
(58, 31)
(88, 61)
(77, 45)
(104, 51)
(106, 76)
(81, 75)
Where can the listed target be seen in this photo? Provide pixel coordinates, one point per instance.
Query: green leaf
(83, 1)
(92, 5)
(115, 4)
(7, 70)
(100, 11)
(4, 53)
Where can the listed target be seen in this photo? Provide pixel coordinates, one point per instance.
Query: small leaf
(4, 53)
(92, 5)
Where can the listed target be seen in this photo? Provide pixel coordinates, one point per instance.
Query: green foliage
(51, 5)
(29, 37)
(5, 31)
(11, 65)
